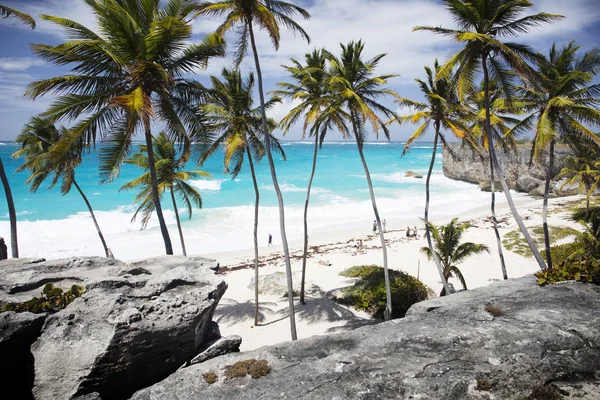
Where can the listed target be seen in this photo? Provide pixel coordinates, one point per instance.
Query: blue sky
(384, 25)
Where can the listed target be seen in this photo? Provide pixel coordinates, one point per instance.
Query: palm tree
(450, 251)
(6, 12)
(501, 111)
(14, 242)
(562, 101)
(585, 174)
(236, 123)
(170, 178)
(317, 109)
(267, 14)
(37, 141)
(355, 87)
(481, 23)
(442, 110)
(125, 78)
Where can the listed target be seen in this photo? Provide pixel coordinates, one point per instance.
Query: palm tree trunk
(498, 169)
(178, 222)
(426, 216)
(286, 252)
(312, 174)
(545, 203)
(256, 202)
(161, 219)
(494, 219)
(587, 207)
(14, 244)
(387, 314)
(107, 251)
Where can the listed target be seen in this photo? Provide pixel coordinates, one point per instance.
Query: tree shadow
(231, 311)
(352, 325)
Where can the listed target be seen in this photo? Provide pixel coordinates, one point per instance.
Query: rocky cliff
(471, 167)
(511, 340)
(134, 325)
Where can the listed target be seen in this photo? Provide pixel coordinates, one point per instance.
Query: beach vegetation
(562, 101)
(37, 141)
(515, 242)
(449, 249)
(355, 86)
(481, 25)
(268, 15)
(51, 300)
(236, 125)
(170, 178)
(255, 368)
(495, 311)
(318, 110)
(126, 78)
(210, 377)
(443, 110)
(369, 293)
(583, 172)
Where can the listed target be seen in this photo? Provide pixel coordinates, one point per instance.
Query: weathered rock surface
(472, 167)
(134, 325)
(226, 345)
(439, 351)
(413, 174)
(17, 332)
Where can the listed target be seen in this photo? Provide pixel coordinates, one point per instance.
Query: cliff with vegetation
(469, 166)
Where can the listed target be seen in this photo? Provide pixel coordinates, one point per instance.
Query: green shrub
(368, 293)
(561, 252)
(254, 368)
(582, 270)
(51, 300)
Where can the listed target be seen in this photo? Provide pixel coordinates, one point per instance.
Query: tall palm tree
(481, 23)
(6, 12)
(442, 110)
(450, 251)
(585, 174)
(501, 119)
(125, 77)
(318, 110)
(170, 178)
(37, 141)
(236, 124)
(12, 214)
(562, 101)
(355, 87)
(266, 14)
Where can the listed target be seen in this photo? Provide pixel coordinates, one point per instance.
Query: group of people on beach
(375, 226)
(414, 233)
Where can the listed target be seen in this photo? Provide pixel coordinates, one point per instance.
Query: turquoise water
(52, 225)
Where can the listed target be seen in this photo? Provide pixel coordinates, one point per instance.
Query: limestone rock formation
(471, 167)
(413, 174)
(226, 345)
(134, 325)
(458, 347)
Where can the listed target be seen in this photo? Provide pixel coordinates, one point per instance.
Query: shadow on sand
(231, 311)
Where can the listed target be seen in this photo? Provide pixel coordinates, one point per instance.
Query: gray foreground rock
(439, 351)
(134, 325)
(226, 345)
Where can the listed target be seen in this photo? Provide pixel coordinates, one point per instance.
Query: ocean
(55, 226)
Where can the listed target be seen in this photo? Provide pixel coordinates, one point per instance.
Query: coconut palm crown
(126, 76)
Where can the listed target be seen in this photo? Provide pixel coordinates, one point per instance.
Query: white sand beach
(330, 255)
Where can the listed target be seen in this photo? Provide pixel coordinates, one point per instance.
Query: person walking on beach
(415, 233)
(407, 232)
(374, 227)
(270, 240)
(384, 226)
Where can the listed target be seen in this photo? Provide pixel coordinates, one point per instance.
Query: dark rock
(226, 345)
(134, 325)
(469, 166)
(439, 351)
(17, 332)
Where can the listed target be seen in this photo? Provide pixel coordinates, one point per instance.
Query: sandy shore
(334, 252)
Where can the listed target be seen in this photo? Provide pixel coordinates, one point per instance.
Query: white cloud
(20, 64)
